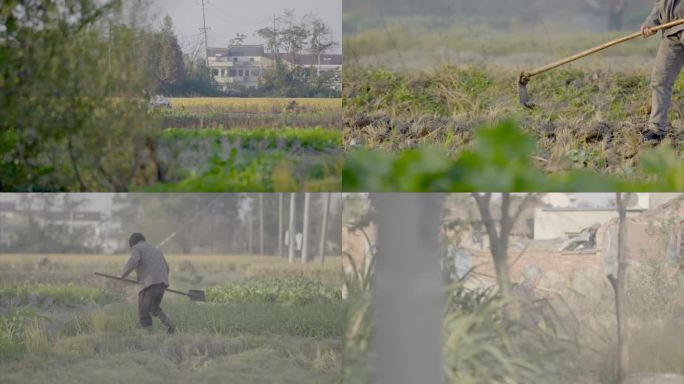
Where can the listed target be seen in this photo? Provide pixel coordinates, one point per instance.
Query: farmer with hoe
(668, 64)
(153, 273)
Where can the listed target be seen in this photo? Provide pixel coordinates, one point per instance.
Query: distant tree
(270, 37)
(320, 40)
(614, 9)
(171, 73)
(59, 129)
(239, 39)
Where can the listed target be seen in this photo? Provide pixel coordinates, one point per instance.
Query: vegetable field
(264, 321)
(225, 144)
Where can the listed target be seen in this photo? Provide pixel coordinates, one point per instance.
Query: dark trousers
(149, 304)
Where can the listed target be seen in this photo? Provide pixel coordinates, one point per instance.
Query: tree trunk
(280, 224)
(261, 224)
(407, 290)
(324, 228)
(305, 231)
(618, 284)
(291, 231)
(498, 245)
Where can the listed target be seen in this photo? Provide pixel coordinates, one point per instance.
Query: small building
(238, 66)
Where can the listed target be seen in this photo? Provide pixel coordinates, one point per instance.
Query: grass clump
(36, 339)
(12, 327)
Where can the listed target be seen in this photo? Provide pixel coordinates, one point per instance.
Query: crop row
(288, 290)
(256, 105)
(284, 138)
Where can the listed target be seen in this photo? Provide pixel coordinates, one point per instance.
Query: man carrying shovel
(153, 274)
(668, 64)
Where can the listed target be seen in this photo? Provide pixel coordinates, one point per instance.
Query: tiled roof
(309, 59)
(246, 50)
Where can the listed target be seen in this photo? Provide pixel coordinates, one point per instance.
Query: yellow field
(254, 105)
(218, 261)
(15, 268)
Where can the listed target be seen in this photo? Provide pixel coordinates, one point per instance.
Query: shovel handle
(591, 51)
(135, 282)
(116, 278)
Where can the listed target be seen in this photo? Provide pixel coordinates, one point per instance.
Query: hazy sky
(227, 18)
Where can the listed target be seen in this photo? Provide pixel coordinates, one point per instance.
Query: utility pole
(291, 231)
(321, 245)
(261, 224)
(305, 231)
(280, 224)
(206, 39)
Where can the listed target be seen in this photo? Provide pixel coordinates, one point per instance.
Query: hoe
(193, 294)
(526, 76)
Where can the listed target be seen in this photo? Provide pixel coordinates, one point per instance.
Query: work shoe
(149, 329)
(655, 136)
(171, 330)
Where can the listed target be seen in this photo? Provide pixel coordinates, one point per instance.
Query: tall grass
(36, 339)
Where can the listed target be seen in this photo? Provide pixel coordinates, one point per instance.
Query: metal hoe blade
(196, 295)
(522, 91)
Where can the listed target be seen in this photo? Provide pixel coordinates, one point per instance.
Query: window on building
(235, 59)
(240, 73)
(251, 59)
(233, 73)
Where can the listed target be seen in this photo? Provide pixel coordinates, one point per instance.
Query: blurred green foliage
(72, 116)
(500, 160)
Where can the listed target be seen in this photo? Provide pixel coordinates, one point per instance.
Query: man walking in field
(153, 273)
(668, 64)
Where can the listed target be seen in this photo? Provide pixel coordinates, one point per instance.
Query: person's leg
(668, 64)
(158, 312)
(144, 306)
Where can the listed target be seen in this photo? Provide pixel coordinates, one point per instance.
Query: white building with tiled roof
(238, 65)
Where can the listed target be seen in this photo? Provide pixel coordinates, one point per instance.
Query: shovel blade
(196, 295)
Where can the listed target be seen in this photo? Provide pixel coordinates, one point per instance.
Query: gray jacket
(149, 263)
(663, 12)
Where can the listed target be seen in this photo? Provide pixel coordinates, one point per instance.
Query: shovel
(193, 294)
(526, 76)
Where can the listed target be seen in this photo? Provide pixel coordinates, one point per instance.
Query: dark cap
(135, 239)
